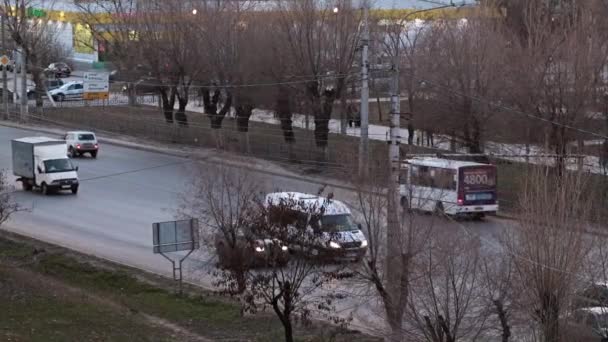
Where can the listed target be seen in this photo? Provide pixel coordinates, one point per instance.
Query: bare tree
(296, 291)
(7, 205)
(548, 246)
(321, 50)
(556, 59)
(226, 201)
(445, 298)
(36, 39)
(497, 276)
(388, 266)
(156, 36)
(466, 58)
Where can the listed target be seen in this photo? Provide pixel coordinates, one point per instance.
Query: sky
(418, 4)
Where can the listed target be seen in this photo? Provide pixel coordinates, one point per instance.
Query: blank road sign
(174, 236)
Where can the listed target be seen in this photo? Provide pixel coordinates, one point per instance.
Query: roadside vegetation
(50, 294)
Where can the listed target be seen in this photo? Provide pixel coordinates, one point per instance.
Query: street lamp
(194, 11)
(336, 10)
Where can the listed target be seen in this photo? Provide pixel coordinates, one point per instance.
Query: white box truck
(43, 163)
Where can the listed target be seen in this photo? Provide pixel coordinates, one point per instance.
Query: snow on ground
(513, 152)
(517, 152)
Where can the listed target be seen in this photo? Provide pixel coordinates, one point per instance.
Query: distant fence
(263, 140)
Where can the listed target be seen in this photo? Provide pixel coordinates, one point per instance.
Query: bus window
(445, 179)
(403, 176)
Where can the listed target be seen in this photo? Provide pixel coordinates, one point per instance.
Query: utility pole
(4, 79)
(364, 113)
(15, 63)
(24, 109)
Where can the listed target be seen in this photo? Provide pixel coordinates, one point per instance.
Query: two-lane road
(122, 193)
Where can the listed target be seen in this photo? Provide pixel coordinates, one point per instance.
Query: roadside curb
(201, 154)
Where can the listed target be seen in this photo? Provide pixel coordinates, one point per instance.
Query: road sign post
(176, 236)
(96, 86)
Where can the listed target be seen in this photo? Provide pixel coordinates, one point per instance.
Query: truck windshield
(338, 223)
(58, 165)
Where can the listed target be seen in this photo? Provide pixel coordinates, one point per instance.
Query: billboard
(96, 86)
(174, 236)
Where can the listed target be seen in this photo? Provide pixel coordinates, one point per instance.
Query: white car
(81, 142)
(69, 91)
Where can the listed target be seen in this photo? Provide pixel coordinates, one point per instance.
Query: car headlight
(333, 244)
(364, 243)
(259, 249)
(284, 248)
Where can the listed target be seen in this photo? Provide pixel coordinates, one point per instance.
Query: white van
(339, 236)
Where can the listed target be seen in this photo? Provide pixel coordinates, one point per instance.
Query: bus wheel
(479, 216)
(439, 209)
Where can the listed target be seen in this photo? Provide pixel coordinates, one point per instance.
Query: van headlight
(333, 244)
(284, 248)
(364, 243)
(259, 249)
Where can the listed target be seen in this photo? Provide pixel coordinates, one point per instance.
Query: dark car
(592, 296)
(58, 70)
(49, 85)
(586, 324)
(252, 250)
(9, 94)
(143, 86)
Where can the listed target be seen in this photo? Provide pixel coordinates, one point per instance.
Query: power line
(505, 108)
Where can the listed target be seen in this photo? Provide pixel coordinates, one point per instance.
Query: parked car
(68, 91)
(81, 142)
(9, 94)
(592, 296)
(143, 86)
(58, 70)
(254, 250)
(49, 84)
(587, 324)
(13, 67)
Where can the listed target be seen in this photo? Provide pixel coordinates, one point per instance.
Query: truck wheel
(94, 154)
(26, 186)
(44, 189)
(75, 189)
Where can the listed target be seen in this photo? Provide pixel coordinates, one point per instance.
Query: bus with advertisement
(450, 187)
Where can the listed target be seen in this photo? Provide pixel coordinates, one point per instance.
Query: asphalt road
(124, 191)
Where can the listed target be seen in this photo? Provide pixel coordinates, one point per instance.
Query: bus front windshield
(58, 165)
(338, 223)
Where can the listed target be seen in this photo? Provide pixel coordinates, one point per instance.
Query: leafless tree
(295, 291)
(388, 266)
(320, 48)
(466, 64)
(445, 301)
(158, 37)
(496, 272)
(35, 37)
(226, 201)
(556, 58)
(7, 204)
(548, 245)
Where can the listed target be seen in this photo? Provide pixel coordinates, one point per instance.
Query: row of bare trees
(530, 72)
(455, 281)
(300, 53)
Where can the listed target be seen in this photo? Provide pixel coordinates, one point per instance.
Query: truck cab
(42, 162)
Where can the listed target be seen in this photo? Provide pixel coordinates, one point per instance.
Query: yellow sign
(96, 96)
(4, 60)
